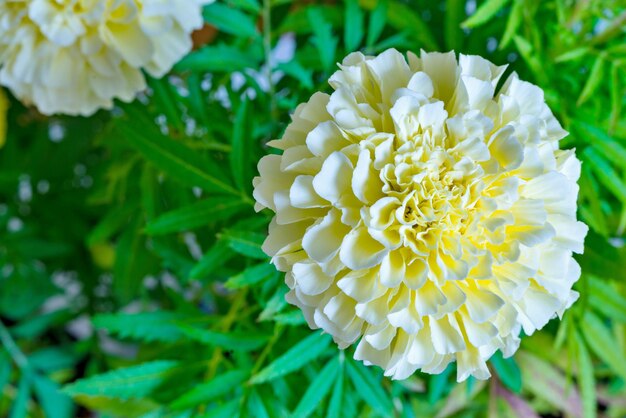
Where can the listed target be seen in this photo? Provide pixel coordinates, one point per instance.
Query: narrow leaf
(593, 81)
(317, 390)
(508, 371)
(353, 30)
(586, 378)
(485, 13)
(378, 18)
(242, 146)
(336, 400)
(368, 388)
(295, 358)
(233, 340)
(603, 343)
(214, 389)
(246, 243)
(229, 20)
(219, 254)
(55, 403)
(198, 214)
(217, 58)
(177, 160)
(251, 275)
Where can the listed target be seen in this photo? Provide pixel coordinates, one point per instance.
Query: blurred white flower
(422, 214)
(76, 56)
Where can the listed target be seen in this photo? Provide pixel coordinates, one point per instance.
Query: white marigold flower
(76, 56)
(422, 214)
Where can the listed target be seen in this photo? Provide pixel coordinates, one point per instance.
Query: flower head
(76, 56)
(422, 213)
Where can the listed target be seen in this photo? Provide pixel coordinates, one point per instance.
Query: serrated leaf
(246, 243)
(128, 383)
(368, 388)
(508, 371)
(484, 13)
(198, 214)
(178, 161)
(232, 340)
(603, 343)
(229, 20)
(317, 390)
(145, 326)
(586, 378)
(214, 389)
(353, 29)
(295, 358)
(251, 276)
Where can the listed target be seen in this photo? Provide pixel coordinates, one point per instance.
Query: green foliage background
(131, 274)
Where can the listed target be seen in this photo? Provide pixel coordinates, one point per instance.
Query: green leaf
(111, 223)
(609, 147)
(19, 409)
(128, 383)
(368, 388)
(241, 154)
(55, 403)
(377, 21)
(296, 70)
(217, 58)
(295, 358)
(548, 383)
(573, 54)
(198, 214)
(452, 30)
(219, 254)
(232, 340)
(323, 38)
(484, 13)
(178, 161)
(251, 276)
(147, 326)
(230, 20)
(594, 81)
(605, 173)
(353, 29)
(531, 57)
(317, 390)
(246, 243)
(439, 385)
(256, 407)
(603, 343)
(214, 389)
(513, 23)
(405, 18)
(335, 404)
(508, 371)
(606, 299)
(586, 379)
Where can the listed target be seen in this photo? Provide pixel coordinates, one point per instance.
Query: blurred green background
(132, 283)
